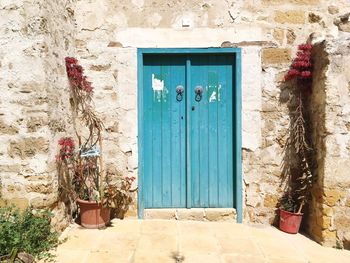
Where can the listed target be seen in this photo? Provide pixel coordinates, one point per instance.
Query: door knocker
(179, 92)
(198, 91)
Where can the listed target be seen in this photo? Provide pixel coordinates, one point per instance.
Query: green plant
(26, 231)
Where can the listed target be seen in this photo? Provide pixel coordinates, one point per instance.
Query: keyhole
(192, 108)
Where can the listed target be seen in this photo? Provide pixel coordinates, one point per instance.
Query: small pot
(93, 215)
(290, 222)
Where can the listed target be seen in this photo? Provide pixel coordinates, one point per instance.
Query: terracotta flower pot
(92, 214)
(290, 222)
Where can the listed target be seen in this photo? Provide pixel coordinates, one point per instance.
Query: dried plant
(300, 176)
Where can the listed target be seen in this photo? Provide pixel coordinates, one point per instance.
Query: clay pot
(93, 215)
(290, 222)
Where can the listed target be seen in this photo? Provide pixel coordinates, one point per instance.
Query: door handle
(198, 91)
(179, 92)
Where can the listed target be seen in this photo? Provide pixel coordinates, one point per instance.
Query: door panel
(209, 126)
(164, 132)
(211, 131)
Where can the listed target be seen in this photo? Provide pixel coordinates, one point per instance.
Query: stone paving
(142, 241)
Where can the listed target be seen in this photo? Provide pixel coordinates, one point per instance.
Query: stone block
(159, 213)
(332, 196)
(291, 36)
(21, 203)
(278, 35)
(7, 129)
(220, 214)
(28, 147)
(332, 9)
(43, 188)
(271, 201)
(35, 123)
(276, 56)
(190, 214)
(298, 2)
(290, 17)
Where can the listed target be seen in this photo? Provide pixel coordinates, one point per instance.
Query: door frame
(237, 94)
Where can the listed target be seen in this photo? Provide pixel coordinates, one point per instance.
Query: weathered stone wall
(331, 100)
(34, 106)
(107, 35)
(267, 31)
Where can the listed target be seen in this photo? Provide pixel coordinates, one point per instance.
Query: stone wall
(267, 31)
(105, 35)
(330, 107)
(34, 106)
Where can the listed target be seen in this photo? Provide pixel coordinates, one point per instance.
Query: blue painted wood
(188, 131)
(211, 132)
(185, 156)
(140, 117)
(238, 136)
(164, 132)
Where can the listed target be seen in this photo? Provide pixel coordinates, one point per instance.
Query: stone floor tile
(159, 226)
(83, 239)
(287, 260)
(244, 246)
(279, 248)
(198, 243)
(118, 242)
(235, 258)
(107, 257)
(149, 256)
(235, 230)
(71, 255)
(129, 226)
(158, 242)
(202, 258)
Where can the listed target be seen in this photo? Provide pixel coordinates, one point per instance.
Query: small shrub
(26, 232)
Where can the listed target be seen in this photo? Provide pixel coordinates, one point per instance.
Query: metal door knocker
(179, 92)
(198, 91)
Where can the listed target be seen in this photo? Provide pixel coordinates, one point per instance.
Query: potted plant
(297, 167)
(81, 173)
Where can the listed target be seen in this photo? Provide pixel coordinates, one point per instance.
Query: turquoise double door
(188, 130)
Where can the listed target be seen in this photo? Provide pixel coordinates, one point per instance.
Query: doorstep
(197, 214)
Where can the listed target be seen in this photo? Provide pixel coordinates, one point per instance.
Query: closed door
(188, 131)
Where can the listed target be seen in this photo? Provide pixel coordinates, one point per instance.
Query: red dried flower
(76, 76)
(66, 148)
(301, 66)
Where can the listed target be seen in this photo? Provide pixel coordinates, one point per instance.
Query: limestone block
(251, 130)
(276, 55)
(7, 129)
(332, 196)
(278, 35)
(43, 200)
(196, 37)
(21, 203)
(291, 36)
(332, 9)
(290, 17)
(28, 147)
(159, 213)
(220, 214)
(300, 2)
(271, 201)
(190, 214)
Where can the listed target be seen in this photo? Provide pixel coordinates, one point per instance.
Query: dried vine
(82, 168)
(300, 184)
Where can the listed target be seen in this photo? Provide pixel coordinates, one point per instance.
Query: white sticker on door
(157, 84)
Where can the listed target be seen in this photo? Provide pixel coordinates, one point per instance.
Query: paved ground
(142, 241)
